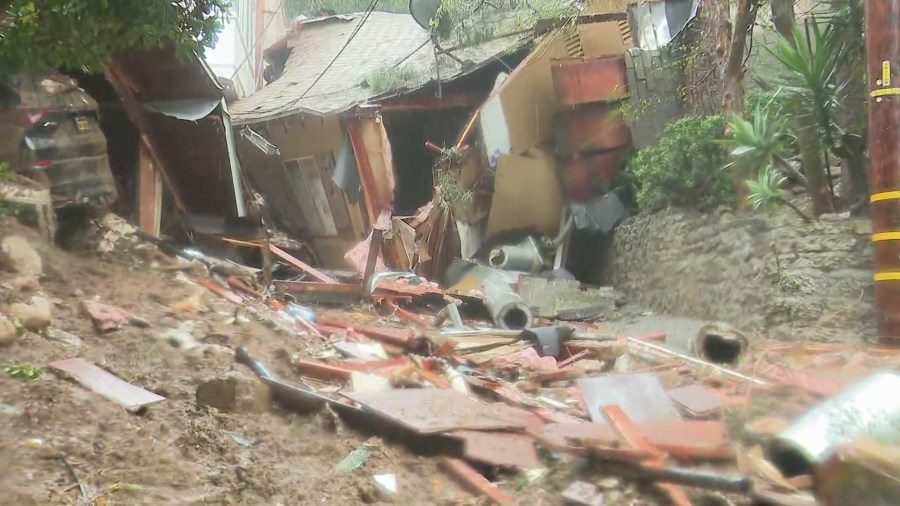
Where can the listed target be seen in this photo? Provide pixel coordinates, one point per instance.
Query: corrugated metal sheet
(385, 40)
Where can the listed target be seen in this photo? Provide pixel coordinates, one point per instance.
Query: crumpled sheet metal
(641, 396)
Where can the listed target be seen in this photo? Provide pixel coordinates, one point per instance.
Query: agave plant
(766, 192)
(812, 60)
(811, 63)
(759, 142)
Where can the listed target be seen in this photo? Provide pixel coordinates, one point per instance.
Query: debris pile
(506, 399)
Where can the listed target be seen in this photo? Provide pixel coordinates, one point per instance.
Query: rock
(10, 411)
(8, 331)
(61, 336)
(20, 257)
(105, 318)
(234, 393)
(36, 315)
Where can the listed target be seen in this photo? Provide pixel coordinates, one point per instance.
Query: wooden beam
(364, 166)
(149, 194)
(136, 114)
(372, 260)
(448, 101)
(303, 266)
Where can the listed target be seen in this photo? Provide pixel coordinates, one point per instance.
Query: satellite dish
(423, 11)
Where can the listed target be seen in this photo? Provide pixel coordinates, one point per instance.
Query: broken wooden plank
(315, 287)
(633, 436)
(475, 482)
(106, 384)
(303, 266)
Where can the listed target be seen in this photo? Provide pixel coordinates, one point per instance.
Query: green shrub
(684, 169)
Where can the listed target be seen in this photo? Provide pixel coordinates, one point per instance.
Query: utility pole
(883, 62)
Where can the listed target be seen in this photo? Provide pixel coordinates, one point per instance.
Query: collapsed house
(440, 154)
(170, 145)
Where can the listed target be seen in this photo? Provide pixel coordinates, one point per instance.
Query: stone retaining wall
(774, 274)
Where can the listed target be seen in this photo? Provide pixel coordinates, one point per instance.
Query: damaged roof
(385, 41)
(180, 99)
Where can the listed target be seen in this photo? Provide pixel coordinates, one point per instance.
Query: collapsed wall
(773, 274)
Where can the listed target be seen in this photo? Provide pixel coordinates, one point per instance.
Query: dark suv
(50, 132)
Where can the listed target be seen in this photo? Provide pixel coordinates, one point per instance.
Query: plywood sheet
(602, 39)
(527, 194)
(106, 384)
(527, 96)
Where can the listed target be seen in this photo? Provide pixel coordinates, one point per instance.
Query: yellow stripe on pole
(886, 236)
(887, 276)
(891, 195)
(883, 92)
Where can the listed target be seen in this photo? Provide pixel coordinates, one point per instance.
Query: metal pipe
(869, 407)
(455, 317)
(506, 307)
(883, 56)
(525, 257)
(695, 361)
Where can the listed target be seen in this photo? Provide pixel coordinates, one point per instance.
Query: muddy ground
(176, 452)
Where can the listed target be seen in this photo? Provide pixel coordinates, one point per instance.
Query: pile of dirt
(53, 430)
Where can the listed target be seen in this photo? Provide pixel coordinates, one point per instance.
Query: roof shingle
(385, 40)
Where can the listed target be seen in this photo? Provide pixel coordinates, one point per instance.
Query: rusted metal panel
(586, 81)
(430, 411)
(107, 385)
(503, 449)
(682, 439)
(698, 400)
(584, 176)
(591, 127)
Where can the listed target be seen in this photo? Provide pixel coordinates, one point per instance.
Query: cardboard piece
(527, 195)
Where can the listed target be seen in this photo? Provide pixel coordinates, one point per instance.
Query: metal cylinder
(506, 307)
(525, 257)
(720, 343)
(869, 407)
(883, 56)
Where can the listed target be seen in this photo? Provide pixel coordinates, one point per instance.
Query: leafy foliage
(811, 75)
(393, 79)
(23, 371)
(766, 190)
(87, 33)
(294, 8)
(755, 142)
(475, 21)
(684, 168)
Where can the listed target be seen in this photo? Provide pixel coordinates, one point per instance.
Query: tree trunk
(783, 17)
(730, 48)
(734, 67)
(811, 153)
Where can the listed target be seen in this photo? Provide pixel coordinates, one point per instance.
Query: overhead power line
(339, 53)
